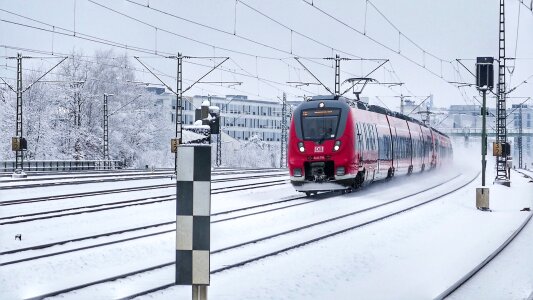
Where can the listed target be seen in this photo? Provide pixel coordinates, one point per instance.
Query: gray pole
(283, 156)
(337, 75)
(106, 132)
(484, 138)
(219, 142)
(501, 112)
(179, 108)
(520, 137)
(19, 157)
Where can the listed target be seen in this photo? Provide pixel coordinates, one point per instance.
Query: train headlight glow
(337, 146)
(321, 104)
(301, 147)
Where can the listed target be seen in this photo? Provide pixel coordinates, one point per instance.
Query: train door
(396, 149)
(359, 143)
(378, 146)
(410, 148)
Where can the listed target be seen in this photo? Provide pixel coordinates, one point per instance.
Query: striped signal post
(193, 210)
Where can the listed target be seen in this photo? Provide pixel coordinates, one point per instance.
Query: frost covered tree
(251, 153)
(64, 120)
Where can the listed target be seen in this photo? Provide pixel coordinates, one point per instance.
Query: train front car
(321, 146)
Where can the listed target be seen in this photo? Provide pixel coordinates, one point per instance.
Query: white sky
(448, 29)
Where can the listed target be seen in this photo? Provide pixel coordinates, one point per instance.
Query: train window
(320, 124)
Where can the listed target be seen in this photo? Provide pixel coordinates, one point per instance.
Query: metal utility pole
(19, 157)
(218, 160)
(106, 131)
(283, 156)
(337, 75)
(520, 136)
(501, 124)
(179, 97)
(18, 141)
(179, 107)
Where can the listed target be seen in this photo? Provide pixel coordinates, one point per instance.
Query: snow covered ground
(414, 255)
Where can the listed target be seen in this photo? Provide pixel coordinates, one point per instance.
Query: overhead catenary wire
(239, 36)
(424, 51)
(530, 7)
(95, 39)
(139, 49)
(375, 40)
(158, 72)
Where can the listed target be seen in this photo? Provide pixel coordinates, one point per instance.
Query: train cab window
(320, 124)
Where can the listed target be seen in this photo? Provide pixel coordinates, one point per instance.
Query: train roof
(373, 108)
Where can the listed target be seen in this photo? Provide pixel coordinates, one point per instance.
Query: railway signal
(484, 83)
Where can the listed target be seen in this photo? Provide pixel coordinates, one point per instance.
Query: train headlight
(340, 171)
(337, 146)
(301, 146)
(297, 173)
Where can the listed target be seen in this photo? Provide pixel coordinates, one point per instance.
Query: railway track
(234, 213)
(127, 203)
(218, 252)
(108, 178)
(486, 261)
(122, 190)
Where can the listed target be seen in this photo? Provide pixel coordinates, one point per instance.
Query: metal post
(106, 132)
(283, 156)
(501, 123)
(179, 108)
(484, 138)
(199, 292)
(218, 161)
(193, 217)
(520, 136)
(337, 75)
(19, 157)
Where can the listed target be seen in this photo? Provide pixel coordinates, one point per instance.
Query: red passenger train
(338, 144)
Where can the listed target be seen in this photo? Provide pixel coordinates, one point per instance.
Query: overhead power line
(529, 7)
(234, 34)
(92, 38)
(246, 38)
(311, 4)
(403, 34)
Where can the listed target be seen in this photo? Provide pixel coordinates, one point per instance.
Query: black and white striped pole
(193, 220)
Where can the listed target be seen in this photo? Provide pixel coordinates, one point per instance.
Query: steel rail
(134, 202)
(482, 264)
(239, 264)
(242, 263)
(120, 190)
(94, 179)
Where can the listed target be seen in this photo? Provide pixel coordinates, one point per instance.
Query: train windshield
(320, 124)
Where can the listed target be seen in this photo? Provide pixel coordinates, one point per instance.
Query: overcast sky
(444, 30)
